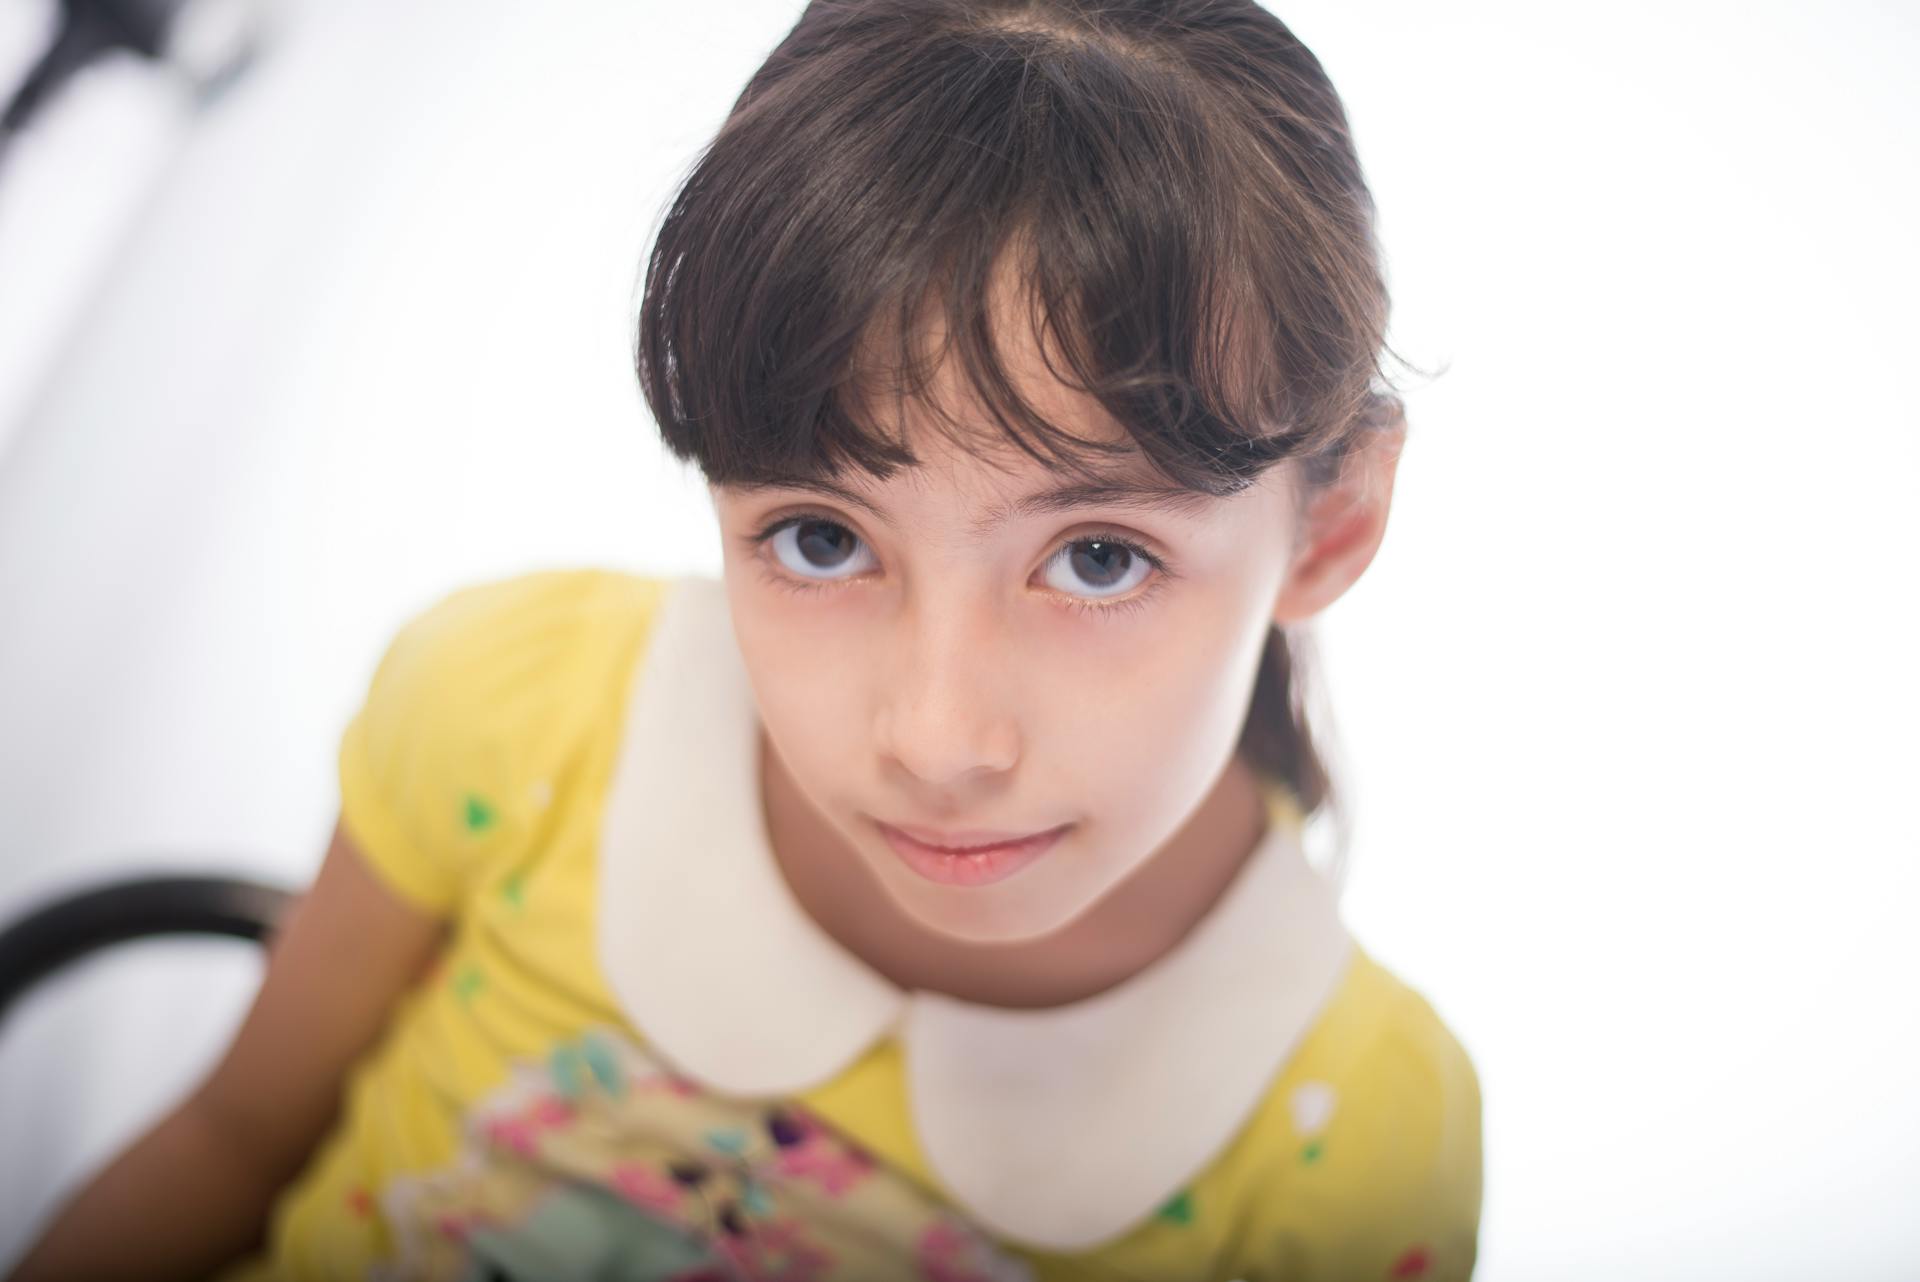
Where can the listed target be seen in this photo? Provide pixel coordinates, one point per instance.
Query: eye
(1098, 572)
(815, 548)
(1104, 563)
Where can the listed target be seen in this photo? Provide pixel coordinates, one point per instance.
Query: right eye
(815, 548)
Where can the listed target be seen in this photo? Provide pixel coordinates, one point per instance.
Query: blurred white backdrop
(1626, 704)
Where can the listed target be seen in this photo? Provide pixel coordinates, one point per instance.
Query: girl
(924, 898)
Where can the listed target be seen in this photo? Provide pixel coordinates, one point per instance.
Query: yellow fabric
(472, 778)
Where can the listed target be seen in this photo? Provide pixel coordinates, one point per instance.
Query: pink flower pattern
(521, 1131)
(821, 1157)
(678, 1086)
(646, 1187)
(949, 1255)
(777, 1251)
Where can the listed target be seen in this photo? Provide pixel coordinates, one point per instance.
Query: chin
(1008, 913)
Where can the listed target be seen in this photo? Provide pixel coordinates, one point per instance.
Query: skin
(949, 682)
(193, 1193)
(912, 669)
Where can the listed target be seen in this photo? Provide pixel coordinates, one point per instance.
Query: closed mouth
(971, 842)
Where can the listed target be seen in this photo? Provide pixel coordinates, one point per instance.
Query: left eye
(1108, 566)
(816, 549)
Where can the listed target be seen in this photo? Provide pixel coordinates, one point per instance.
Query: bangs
(885, 202)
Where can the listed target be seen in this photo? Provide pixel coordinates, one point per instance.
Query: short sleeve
(1378, 1175)
(469, 719)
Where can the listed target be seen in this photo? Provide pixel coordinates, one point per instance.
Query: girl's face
(969, 652)
(945, 654)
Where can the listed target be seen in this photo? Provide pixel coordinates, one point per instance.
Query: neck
(1127, 930)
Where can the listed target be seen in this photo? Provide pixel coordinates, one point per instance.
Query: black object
(48, 937)
(89, 29)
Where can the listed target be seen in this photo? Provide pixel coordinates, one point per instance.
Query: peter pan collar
(1058, 1128)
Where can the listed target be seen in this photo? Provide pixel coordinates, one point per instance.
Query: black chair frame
(78, 923)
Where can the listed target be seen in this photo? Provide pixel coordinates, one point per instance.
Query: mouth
(971, 858)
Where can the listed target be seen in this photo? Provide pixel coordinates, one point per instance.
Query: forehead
(964, 458)
(948, 394)
(913, 387)
(1009, 497)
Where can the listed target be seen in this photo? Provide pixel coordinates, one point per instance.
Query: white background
(1627, 701)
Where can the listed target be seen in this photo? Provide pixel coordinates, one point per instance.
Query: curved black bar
(46, 938)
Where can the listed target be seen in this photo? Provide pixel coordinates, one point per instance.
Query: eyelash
(1081, 605)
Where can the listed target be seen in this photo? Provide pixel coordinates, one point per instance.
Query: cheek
(1180, 684)
(1144, 728)
(802, 682)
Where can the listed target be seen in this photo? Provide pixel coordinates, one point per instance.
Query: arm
(193, 1193)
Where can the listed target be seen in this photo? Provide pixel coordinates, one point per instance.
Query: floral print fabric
(603, 1164)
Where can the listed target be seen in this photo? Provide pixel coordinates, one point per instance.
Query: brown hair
(1177, 184)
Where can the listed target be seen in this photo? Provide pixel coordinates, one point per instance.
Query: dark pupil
(1109, 560)
(826, 538)
(1098, 563)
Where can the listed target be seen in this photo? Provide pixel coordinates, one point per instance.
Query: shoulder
(1379, 1030)
(1364, 1158)
(477, 629)
(517, 661)
(475, 706)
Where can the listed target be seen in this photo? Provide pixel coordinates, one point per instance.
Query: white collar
(1059, 1128)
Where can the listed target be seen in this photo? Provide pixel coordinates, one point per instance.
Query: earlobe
(1344, 526)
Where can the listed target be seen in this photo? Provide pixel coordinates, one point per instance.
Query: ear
(1341, 528)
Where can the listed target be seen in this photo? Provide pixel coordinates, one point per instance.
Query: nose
(945, 712)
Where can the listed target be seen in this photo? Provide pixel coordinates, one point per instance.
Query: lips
(969, 842)
(962, 865)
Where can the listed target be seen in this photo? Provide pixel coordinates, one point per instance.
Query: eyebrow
(1170, 499)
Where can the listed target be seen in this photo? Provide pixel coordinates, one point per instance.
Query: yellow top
(528, 741)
